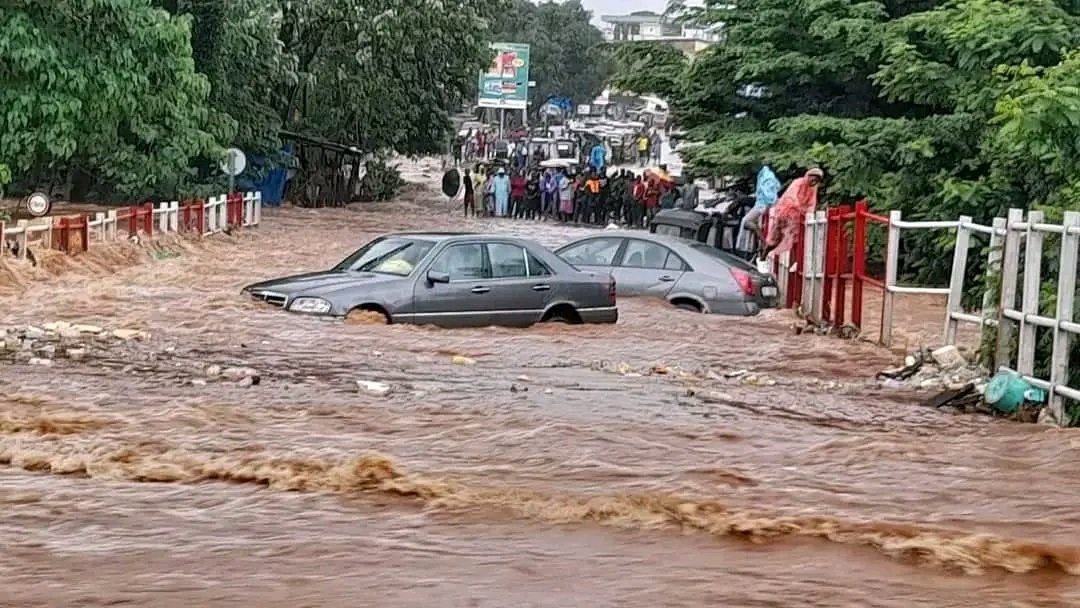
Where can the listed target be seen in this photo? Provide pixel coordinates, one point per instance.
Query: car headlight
(313, 306)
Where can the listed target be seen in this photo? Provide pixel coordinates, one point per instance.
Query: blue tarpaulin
(270, 182)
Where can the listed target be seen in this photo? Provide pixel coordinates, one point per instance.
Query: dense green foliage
(106, 89)
(648, 68)
(136, 98)
(568, 58)
(935, 108)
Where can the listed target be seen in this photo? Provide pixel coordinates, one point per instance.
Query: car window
(643, 254)
(668, 230)
(462, 262)
(538, 268)
(507, 261)
(725, 257)
(593, 252)
(397, 256)
(674, 262)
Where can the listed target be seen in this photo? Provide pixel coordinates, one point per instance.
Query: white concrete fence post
(956, 280)
(1066, 296)
(1010, 271)
(161, 213)
(114, 224)
(892, 261)
(257, 209)
(210, 215)
(223, 212)
(1033, 253)
(808, 257)
(22, 225)
(822, 220)
(173, 224)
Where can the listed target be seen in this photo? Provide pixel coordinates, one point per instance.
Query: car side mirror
(434, 277)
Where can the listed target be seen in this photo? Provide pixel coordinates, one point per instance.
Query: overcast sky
(622, 7)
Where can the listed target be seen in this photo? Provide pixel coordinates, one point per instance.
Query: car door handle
(541, 287)
(667, 279)
(481, 289)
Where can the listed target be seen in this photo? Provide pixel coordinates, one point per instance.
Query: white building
(649, 26)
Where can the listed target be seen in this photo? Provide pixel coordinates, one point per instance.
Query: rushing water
(570, 466)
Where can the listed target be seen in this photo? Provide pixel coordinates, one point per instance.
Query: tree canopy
(136, 98)
(931, 107)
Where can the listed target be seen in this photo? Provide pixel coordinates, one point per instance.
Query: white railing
(103, 226)
(23, 232)
(1009, 239)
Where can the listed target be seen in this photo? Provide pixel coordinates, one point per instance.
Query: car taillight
(745, 281)
(611, 290)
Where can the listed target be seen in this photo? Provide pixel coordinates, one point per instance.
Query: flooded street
(622, 465)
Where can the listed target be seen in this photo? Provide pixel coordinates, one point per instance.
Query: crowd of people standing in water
(597, 196)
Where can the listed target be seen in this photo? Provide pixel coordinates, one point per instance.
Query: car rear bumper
(606, 314)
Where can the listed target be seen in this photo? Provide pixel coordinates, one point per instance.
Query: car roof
(458, 236)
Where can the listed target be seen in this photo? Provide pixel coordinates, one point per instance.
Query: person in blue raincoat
(502, 193)
(765, 196)
(598, 157)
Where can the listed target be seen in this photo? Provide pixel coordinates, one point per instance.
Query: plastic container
(1006, 392)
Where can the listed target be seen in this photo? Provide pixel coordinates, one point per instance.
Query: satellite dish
(451, 183)
(234, 162)
(38, 204)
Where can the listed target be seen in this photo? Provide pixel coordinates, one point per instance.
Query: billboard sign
(505, 84)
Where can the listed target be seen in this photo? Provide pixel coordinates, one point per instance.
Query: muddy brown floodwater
(569, 466)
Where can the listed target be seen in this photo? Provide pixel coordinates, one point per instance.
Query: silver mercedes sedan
(690, 275)
(450, 280)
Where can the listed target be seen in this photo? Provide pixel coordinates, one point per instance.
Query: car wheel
(367, 316)
(563, 314)
(687, 306)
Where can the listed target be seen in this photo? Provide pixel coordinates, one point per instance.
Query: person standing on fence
(765, 195)
(799, 199)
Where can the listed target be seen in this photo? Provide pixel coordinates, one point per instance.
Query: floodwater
(569, 466)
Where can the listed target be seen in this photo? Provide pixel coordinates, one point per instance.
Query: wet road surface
(627, 465)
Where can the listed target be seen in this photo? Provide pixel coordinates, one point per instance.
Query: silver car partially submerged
(450, 280)
(688, 274)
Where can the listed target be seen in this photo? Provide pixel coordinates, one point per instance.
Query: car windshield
(395, 255)
(727, 258)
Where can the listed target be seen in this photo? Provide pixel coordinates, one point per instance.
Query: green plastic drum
(1005, 393)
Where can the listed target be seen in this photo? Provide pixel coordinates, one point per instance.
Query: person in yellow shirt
(643, 149)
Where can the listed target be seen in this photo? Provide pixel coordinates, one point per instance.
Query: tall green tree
(648, 68)
(105, 92)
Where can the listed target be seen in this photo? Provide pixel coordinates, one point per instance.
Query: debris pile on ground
(942, 369)
(41, 345)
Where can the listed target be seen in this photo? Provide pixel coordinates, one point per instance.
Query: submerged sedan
(690, 275)
(451, 280)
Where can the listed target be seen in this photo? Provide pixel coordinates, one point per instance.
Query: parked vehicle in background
(688, 274)
(450, 280)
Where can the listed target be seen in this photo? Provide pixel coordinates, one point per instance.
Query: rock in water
(130, 334)
(238, 373)
(378, 389)
(949, 357)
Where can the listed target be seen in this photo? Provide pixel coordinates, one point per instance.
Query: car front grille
(270, 297)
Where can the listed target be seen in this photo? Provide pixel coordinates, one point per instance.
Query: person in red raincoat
(790, 211)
